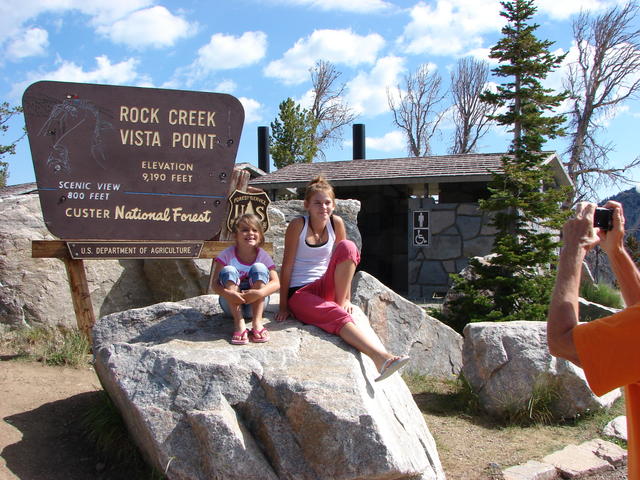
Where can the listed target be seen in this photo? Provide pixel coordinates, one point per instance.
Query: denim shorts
(257, 273)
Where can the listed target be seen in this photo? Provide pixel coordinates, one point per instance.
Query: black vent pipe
(263, 149)
(358, 142)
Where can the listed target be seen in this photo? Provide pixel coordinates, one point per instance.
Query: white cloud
(28, 43)
(105, 12)
(561, 10)
(335, 46)
(15, 13)
(150, 27)
(252, 110)
(225, 86)
(389, 142)
(137, 23)
(226, 52)
(450, 27)
(121, 73)
(307, 99)
(223, 52)
(356, 6)
(367, 92)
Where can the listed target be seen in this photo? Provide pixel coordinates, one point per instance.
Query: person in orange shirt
(607, 349)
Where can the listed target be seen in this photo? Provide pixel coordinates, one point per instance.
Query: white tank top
(311, 261)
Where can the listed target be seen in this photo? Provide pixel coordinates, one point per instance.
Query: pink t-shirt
(228, 257)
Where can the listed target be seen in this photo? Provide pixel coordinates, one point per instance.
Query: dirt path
(40, 438)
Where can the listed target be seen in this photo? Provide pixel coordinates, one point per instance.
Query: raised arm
(578, 236)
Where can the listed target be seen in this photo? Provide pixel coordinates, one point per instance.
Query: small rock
(616, 428)
(532, 470)
(608, 451)
(576, 461)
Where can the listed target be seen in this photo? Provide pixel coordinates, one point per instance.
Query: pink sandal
(240, 338)
(259, 336)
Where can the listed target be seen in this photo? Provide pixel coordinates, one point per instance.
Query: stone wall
(457, 232)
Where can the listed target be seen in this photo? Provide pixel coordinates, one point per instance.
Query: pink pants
(315, 304)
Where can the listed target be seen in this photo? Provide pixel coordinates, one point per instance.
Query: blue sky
(261, 50)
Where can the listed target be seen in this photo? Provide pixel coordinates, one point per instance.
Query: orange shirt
(609, 351)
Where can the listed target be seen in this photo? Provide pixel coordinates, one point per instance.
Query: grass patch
(455, 397)
(57, 347)
(473, 444)
(538, 408)
(601, 294)
(443, 396)
(105, 429)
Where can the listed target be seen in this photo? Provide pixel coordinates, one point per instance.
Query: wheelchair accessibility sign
(421, 228)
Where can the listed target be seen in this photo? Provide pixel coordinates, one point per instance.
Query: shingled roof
(477, 167)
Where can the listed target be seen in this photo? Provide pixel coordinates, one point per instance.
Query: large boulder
(302, 406)
(505, 363)
(405, 329)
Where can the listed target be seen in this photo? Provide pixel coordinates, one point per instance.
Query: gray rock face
(35, 291)
(302, 406)
(505, 362)
(405, 329)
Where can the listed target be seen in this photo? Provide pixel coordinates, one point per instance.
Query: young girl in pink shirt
(244, 276)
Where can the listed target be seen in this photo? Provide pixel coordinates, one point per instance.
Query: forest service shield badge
(243, 202)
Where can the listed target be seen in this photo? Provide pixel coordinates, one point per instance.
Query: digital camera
(603, 218)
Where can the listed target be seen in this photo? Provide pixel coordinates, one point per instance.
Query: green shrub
(71, 350)
(601, 294)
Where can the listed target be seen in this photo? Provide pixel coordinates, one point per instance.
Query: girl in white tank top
(316, 277)
(311, 260)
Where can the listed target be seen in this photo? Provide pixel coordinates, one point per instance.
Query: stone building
(419, 216)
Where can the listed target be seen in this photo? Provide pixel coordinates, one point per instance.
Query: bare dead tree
(471, 116)
(328, 108)
(415, 110)
(606, 74)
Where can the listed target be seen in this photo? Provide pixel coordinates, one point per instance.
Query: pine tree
(516, 283)
(293, 135)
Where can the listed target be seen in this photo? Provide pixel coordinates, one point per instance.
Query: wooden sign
(129, 163)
